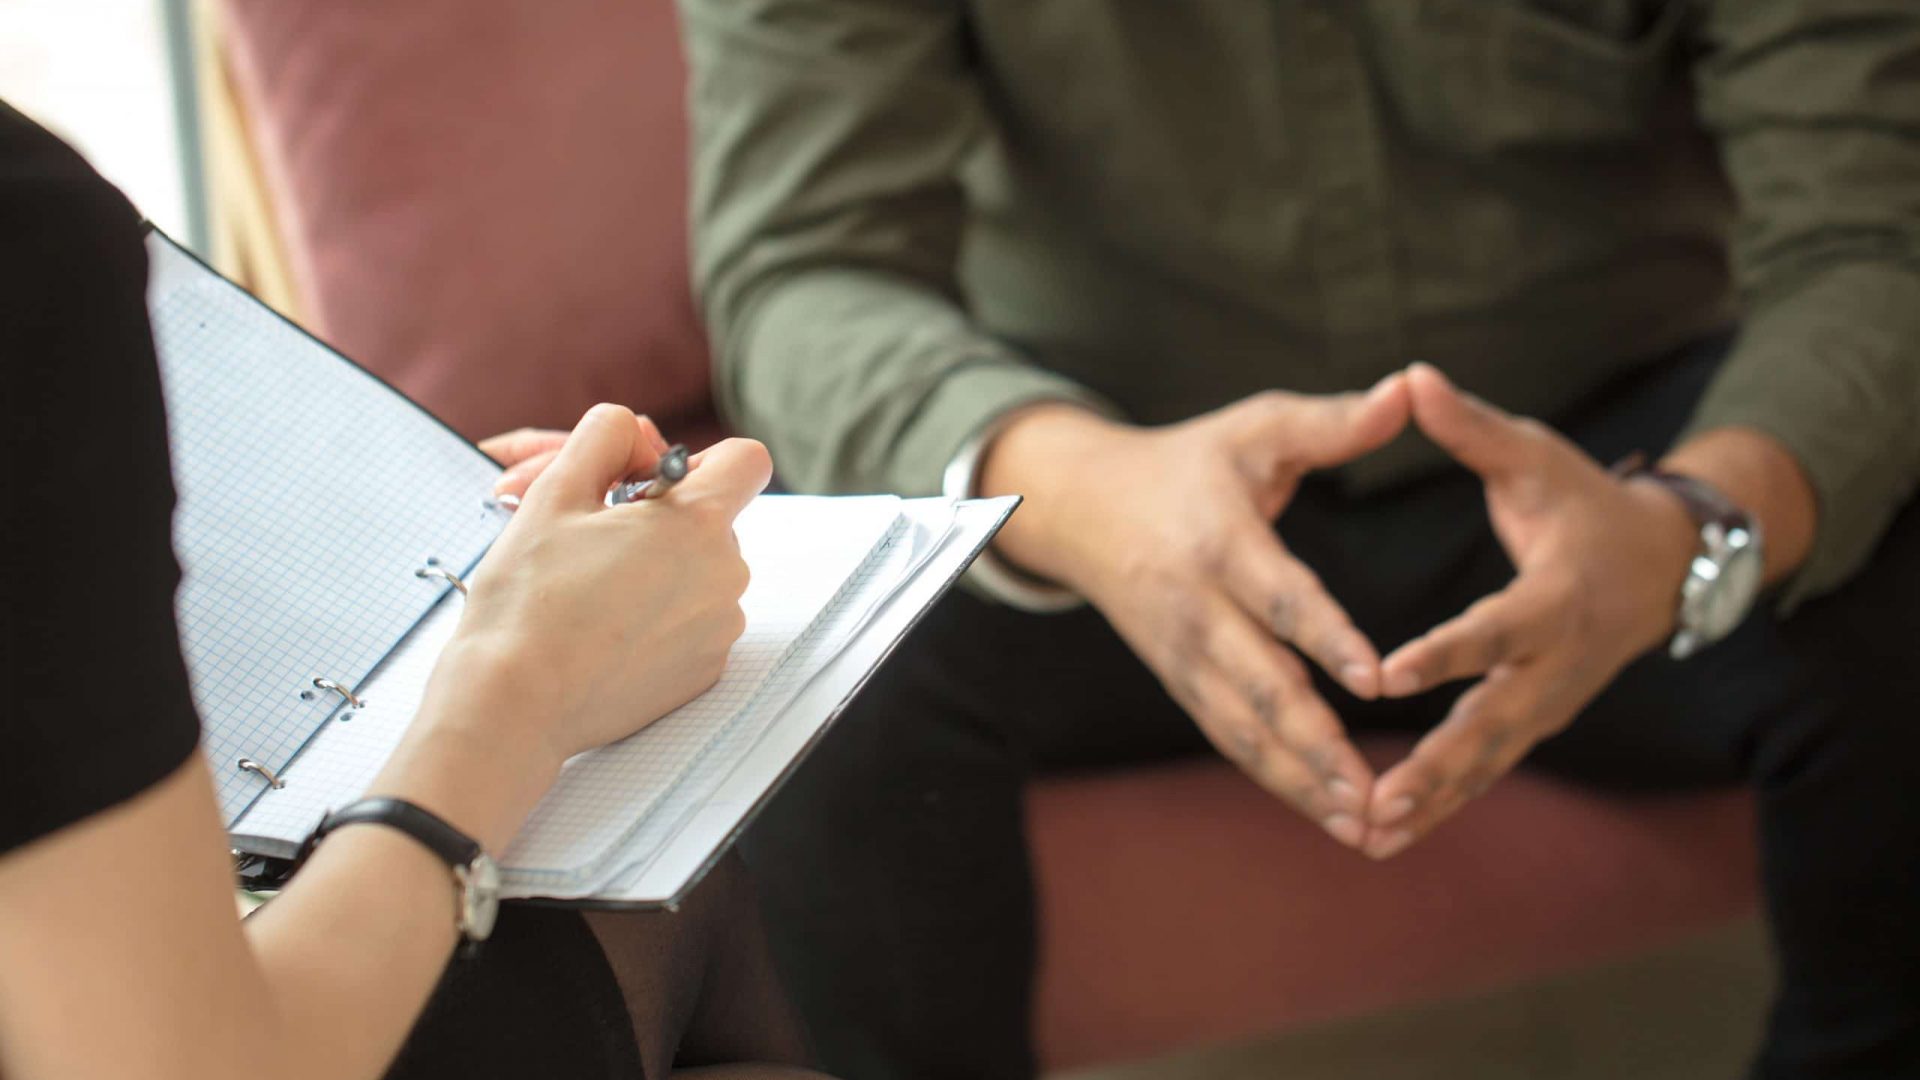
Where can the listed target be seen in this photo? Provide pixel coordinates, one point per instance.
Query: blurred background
(113, 78)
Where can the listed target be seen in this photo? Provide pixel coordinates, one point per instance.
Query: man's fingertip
(1400, 682)
(1361, 680)
(1384, 846)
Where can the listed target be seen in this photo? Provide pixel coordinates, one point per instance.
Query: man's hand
(1169, 533)
(1599, 563)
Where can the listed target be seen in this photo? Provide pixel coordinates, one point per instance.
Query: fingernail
(1391, 844)
(1360, 680)
(1344, 794)
(1345, 828)
(1397, 810)
(1400, 683)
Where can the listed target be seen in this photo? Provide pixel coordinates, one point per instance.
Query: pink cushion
(484, 200)
(1182, 904)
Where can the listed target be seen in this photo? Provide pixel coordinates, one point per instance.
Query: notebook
(320, 517)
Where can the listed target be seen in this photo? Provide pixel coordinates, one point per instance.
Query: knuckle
(1270, 404)
(1264, 699)
(1529, 488)
(1187, 630)
(1301, 793)
(1321, 758)
(1533, 431)
(1476, 783)
(1283, 615)
(1199, 550)
(1496, 643)
(710, 515)
(1185, 692)
(1210, 557)
(1247, 747)
(1582, 615)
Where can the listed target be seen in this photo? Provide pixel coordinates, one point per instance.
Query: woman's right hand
(586, 623)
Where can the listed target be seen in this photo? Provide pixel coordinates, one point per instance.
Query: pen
(671, 470)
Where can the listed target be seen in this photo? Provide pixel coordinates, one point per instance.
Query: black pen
(671, 470)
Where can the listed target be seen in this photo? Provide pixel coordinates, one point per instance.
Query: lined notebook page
(803, 553)
(309, 495)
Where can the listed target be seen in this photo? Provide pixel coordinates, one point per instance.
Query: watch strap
(1702, 501)
(454, 847)
(1725, 531)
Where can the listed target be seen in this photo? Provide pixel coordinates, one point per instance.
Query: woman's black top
(94, 704)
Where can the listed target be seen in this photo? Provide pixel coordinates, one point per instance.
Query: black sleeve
(94, 702)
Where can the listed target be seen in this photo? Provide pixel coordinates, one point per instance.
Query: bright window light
(95, 72)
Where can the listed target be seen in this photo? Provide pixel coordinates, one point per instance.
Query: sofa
(483, 200)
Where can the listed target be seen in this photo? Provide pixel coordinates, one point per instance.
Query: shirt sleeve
(97, 706)
(1817, 108)
(828, 214)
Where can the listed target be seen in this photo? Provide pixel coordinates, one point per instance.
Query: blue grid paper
(603, 798)
(621, 869)
(309, 495)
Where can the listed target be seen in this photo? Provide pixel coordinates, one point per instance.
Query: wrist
(1672, 539)
(477, 753)
(1761, 476)
(1042, 453)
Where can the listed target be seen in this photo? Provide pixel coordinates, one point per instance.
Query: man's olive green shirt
(914, 215)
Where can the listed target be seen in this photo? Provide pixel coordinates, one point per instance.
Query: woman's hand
(585, 623)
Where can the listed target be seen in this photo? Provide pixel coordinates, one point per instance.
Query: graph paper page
(804, 553)
(927, 525)
(310, 493)
(751, 774)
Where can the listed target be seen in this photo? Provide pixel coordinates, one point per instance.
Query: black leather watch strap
(452, 845)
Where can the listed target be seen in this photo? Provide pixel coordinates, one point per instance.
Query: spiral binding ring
(247, 764)
(333, 687)
(432, 570)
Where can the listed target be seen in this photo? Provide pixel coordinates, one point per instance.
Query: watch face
(479, 897)
(1731, 596)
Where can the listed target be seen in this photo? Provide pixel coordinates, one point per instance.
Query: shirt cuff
(1833, 372)
(989, 575)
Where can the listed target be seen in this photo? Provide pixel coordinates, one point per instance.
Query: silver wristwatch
(1724, 578)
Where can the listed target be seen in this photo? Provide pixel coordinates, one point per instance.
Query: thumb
(1322, 431)
(1476, 434)
(731, 472)
(605, 447)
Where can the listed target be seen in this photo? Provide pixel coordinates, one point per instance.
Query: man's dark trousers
(894, 868)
